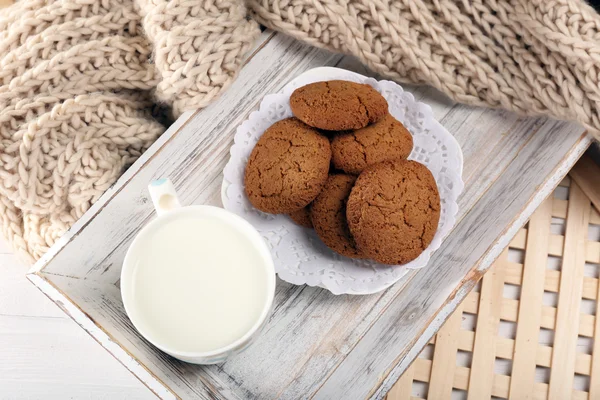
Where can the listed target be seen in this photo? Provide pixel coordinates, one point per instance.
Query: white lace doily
(299, 256)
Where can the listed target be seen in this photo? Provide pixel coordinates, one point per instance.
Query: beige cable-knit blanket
(530, 56)
(77, 83)
(78, 78)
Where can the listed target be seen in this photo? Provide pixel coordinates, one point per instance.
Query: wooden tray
(526, 330)
(316, 344)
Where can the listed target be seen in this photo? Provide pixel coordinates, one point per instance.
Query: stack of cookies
(339, 165)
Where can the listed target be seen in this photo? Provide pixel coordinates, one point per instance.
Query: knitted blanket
(534, 57)
(79, 80)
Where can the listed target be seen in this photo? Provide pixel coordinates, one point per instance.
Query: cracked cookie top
(385, 140)
(328, 215)
(287, 168)
(338, 105)
(393, 211)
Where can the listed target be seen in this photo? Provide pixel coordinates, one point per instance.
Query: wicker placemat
(527, 330)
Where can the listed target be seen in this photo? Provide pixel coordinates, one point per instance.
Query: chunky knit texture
(79, 78)
(78, 84)
(535, 57)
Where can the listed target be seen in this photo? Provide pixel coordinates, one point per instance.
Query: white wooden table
(315, 344)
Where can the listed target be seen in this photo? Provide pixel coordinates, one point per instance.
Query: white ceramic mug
(198, 281)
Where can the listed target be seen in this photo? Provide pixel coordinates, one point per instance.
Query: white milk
(198, 284)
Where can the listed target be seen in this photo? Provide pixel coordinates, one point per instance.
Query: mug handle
(163, 195)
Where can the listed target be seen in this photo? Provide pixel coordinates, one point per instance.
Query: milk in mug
(197, 281)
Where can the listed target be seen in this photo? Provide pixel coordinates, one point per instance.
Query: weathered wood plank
(595, 360)
(562, 371)
(531, 301)
(484, 348)
(444, 357)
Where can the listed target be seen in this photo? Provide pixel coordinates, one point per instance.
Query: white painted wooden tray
(316, 344)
